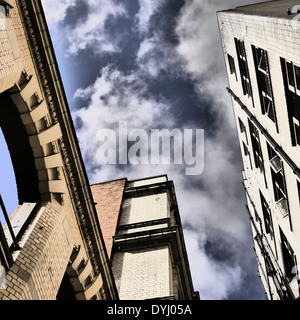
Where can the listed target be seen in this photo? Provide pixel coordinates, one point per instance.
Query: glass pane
(290, 74)
(297, 74)
(262, 60)
(297, 134)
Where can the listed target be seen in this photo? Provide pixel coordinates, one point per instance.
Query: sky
(158, 64)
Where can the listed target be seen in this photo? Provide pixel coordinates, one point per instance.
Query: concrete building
(143, 234)
(261, 46)
(52, 246)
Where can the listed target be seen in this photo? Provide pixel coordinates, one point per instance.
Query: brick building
(261, 46)
(143, 234)
(56, 220)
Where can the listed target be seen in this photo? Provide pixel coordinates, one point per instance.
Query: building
(143, 234)
(56, 221)
(261, 46)
(52, 246)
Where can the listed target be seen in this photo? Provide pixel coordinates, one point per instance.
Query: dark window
(267, 215)
(278, 179)
(262, 60)
(244, 71)
(231, 65)
(246, 151)
(242, 126)
(257, 153)
(291, 75)
(297, 76)
(289, 259)
(264, 82)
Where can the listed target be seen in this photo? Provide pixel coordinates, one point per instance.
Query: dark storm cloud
(76, 14)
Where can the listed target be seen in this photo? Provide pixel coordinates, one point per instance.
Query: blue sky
(8, 188)
(159, 64)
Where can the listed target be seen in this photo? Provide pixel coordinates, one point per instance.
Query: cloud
(146, 11)
(201, 51)
(156, 56)
(216, 280)
(56, 10)
(114, 97)
(88, 30)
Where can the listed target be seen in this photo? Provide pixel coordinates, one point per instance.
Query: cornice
(70, 174)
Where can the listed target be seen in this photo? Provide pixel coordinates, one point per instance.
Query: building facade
(143, 235)
(261, 46)
(52, 247)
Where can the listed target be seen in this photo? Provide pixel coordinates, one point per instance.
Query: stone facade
(56, 249)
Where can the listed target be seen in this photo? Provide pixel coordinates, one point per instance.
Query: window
(244, 71)
(231, 65)
(289, 258)
(274, 158)
(291, 75)
(243, 129)
(257, 153)
(278, 179)
(264, 82)
(242, 126)
(262, 61)
(246, 151)
(267, 216)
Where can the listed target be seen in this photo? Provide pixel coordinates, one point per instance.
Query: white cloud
(214, 280)
(146, 11)
(201, 51)
(55, 11)
(89, 32)
(112, 98)
(151, 57)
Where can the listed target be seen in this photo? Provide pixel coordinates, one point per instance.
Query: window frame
(292, 99)
(267, 215)
(231, 64)
(243, 66)
(264, 83)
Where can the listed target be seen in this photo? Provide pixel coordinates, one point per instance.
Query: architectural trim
(46, 68)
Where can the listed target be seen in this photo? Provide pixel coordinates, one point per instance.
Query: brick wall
(40, 266)
(142, 274)
(108, 198)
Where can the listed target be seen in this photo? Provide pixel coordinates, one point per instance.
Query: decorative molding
(69, 176)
